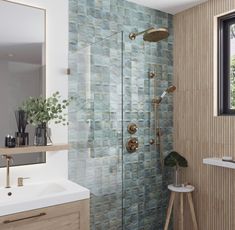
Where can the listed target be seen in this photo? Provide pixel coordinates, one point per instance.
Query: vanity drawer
(70, 216)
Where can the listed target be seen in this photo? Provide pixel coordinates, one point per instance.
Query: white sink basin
(34, 196)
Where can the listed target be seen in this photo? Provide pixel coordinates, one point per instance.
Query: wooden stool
(181, 190)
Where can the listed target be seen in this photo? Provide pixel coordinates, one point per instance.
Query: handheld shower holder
(156, 101)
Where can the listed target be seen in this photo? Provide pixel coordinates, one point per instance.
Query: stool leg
(181, 220)
(190, 200)
(168, 216)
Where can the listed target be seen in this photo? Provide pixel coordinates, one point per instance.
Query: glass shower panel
(96, 129)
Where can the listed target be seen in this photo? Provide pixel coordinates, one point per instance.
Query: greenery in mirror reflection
(42, 110)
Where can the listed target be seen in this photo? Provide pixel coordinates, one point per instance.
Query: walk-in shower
(151, 34)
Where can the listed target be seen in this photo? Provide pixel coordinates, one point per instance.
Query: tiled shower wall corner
(110, 81)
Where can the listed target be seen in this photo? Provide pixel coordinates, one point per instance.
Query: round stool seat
(187, 188)
(181, 192)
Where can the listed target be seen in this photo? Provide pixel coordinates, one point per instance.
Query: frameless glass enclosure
(96, 128)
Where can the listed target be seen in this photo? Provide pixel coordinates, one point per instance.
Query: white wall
(56, 79)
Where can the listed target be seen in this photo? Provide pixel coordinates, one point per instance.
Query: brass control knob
(152, 74)
(132, 145)
(132, 128)
(152, 141)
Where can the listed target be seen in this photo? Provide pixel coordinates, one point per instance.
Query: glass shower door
(95, 135)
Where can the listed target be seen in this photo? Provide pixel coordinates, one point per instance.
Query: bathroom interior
(139, 129)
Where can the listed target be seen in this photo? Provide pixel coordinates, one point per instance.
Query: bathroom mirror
(22, 68)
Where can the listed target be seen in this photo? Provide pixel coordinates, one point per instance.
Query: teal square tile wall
(110, 83)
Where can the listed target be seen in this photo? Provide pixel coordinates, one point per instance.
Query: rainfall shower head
(170, 89)
(152, 34)
(155, 35)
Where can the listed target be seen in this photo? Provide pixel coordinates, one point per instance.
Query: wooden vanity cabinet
(69, 216)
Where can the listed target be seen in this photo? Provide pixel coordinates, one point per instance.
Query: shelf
(218, 162)
(34, 149)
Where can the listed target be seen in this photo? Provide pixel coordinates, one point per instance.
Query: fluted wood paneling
(197, 132)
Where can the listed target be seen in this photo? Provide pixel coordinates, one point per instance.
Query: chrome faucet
(9, 160)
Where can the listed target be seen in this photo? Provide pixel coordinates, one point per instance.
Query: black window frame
(224, 24)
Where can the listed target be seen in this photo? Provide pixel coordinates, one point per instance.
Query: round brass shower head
(155, 35)
(151, 34)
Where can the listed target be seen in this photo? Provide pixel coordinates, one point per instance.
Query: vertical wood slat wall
(198, 133)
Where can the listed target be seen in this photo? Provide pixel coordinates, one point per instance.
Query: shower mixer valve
(132, 145)
(132, 128)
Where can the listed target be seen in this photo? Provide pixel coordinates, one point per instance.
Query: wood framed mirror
(22, 68)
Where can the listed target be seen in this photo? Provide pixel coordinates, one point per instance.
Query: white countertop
(218, 162)
(40, 195)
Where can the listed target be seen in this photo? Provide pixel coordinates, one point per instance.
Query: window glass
(226, 64)
(232, 66)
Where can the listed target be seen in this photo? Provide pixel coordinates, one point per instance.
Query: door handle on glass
(132, 145)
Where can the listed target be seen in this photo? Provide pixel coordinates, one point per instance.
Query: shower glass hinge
(68, 71)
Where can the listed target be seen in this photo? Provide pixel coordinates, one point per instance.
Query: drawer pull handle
(25, 218)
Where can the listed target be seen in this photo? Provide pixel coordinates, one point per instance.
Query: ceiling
(169, 6)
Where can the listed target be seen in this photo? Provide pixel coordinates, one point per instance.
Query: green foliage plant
(42, 110)
(174, 159)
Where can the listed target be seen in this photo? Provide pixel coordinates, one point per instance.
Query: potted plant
(174, 159)
(42, 110)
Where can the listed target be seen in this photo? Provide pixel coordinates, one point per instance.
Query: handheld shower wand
(158, 135)
(170, 89)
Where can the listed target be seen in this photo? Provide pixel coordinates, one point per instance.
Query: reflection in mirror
(22, 68)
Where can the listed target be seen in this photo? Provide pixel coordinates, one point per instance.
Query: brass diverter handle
(132, 145)
(132, 128)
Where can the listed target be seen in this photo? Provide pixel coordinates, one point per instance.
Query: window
(226, 64)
